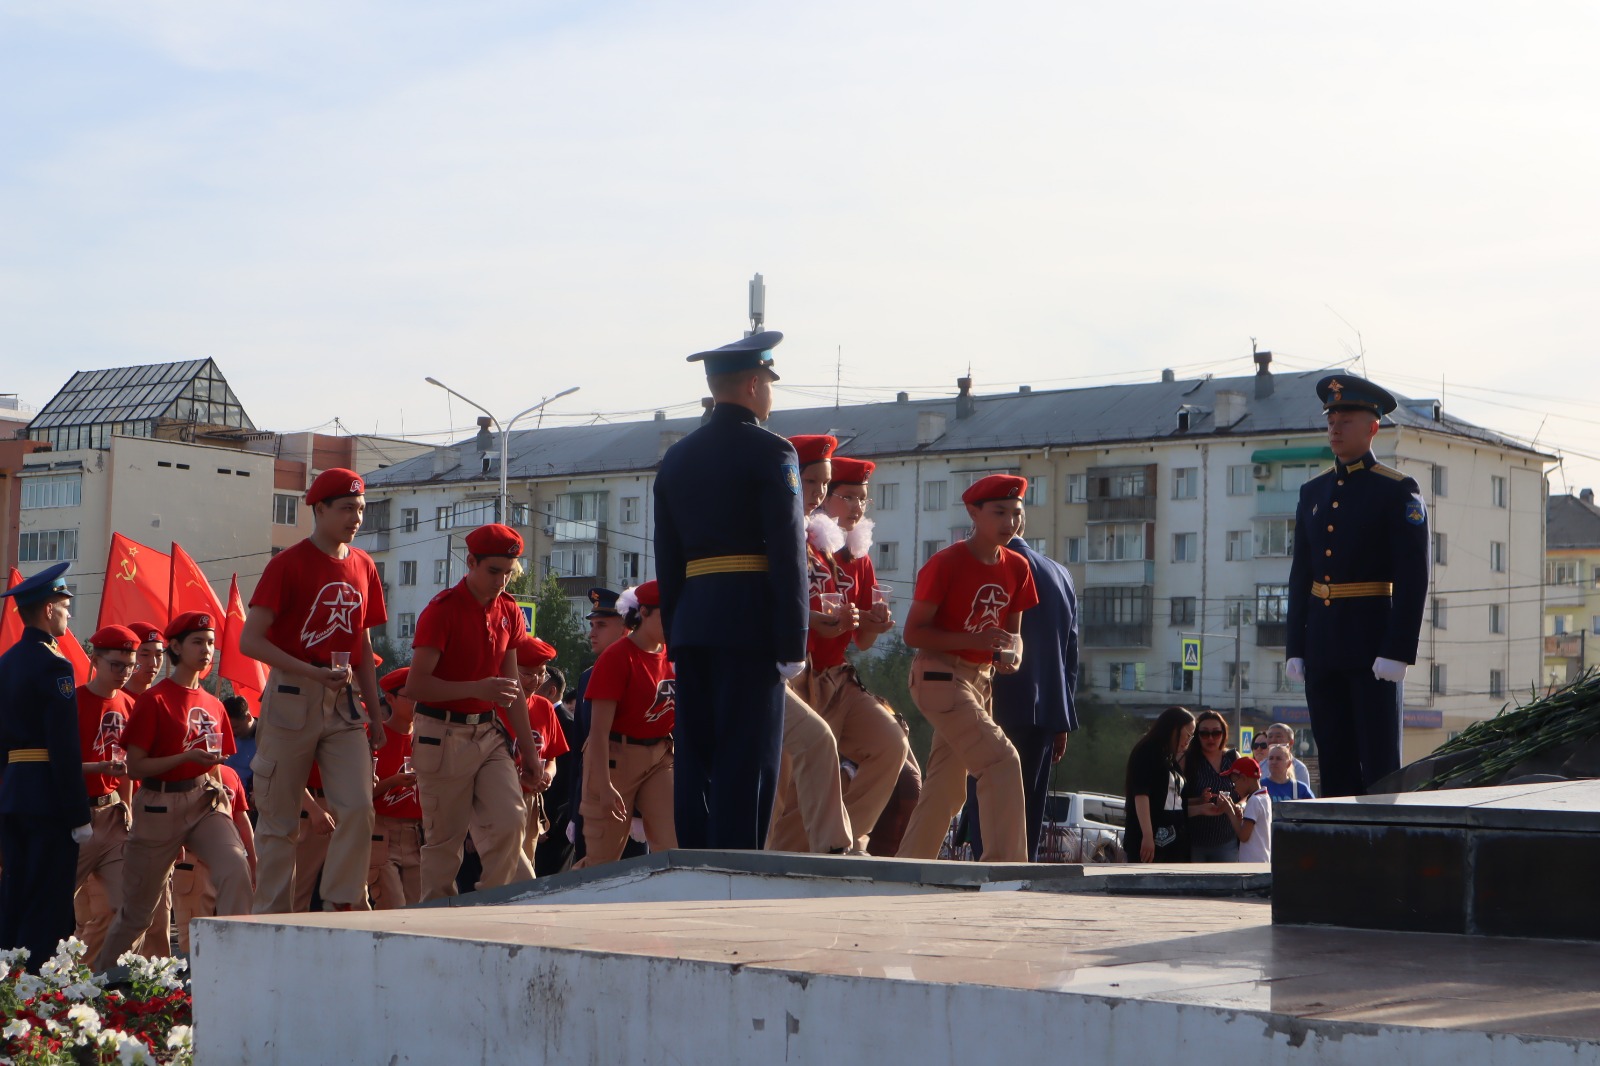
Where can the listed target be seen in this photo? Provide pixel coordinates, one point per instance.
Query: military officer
(1357, 587)
(731, 561)
(44, 804)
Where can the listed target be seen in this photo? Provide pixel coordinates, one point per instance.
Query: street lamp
(505, 435)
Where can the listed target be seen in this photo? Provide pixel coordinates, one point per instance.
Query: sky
(336, 200)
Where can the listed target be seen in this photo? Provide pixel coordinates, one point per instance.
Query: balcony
(1271, 634)
(1116, 634)
(1566, 594)
(1564, 646)
(1121, 572)
(1122, 509)
(578, 531)
(1276, 504)
(372, 541)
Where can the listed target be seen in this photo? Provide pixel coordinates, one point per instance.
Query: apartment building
(1571, 587)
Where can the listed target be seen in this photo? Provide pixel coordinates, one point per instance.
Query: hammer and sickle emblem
(127, 570)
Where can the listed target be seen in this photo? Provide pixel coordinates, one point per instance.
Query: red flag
(76, 656)
(138, 582)
(10, 620)
(192, 592)
(249, 677)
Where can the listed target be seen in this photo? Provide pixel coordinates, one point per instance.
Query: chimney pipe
(965, 404)
(661, 416)
(1168, 377)
(902, 397)
(1024, 389)
(1264, 381)
(1587, 496)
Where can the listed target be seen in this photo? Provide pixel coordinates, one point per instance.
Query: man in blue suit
(1034, 706)
(735, 600)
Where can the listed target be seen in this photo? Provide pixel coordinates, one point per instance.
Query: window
(441, 571)
(408, 625)
(1497, 618)
(1239, 676)
(1292, 476)
(1497, 491)
(1241, 480)
(579, 514)
(1497, 684)
(1563, 572)
(1497, 556)
(1186, 483)
(408, 571)
(1034, 497)
(1238, 545)
(379, 563)
(1117, 616)
(441, 517)
(1441, 483)
(1437, 612)
(886, 497)
(630, 567)
(1185, 547)
(1560, 623)
(1272, 604)
(1038, 544)
(889, 555)
(574, 561)
(47, 545)
(1438, 681)
(1183, 610)
(522, 514)
(1116, 541)
(52, 490)
(1127, 676)
(1440, 544)
(934, 496)
(376, 519)
(470, 514)
(930, 548)
(1274, 538)
(409, 522)
(630, 509)
(1074, 550)
(1238, 613)
(285, 509)
(1077, 488)
(1182, 680)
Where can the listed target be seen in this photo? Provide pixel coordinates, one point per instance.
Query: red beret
(852, 471)
(147, 632)
(115, 638)
(394, 679)
(531, 651)
(995, 487)
(649, 593)
(494, 539)
(189, 622)
(335, 484)
(377, 660)
(813, 448)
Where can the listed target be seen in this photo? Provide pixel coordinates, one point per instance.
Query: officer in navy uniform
(1357, 588)
(44, 806)
(731, 563)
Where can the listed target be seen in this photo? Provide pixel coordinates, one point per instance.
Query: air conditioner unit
(1261, 471)
(550, 531)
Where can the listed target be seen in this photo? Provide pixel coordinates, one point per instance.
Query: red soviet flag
(76, 656)
(249, 677)
(10, 620)
(138, 582)
(192, 592)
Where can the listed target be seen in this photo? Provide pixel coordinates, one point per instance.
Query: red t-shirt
(100, 725)
(974, 596)
(642, 684)
(542, 720)
(397, 802)
(856, 578)
(235, 787)
(819, 577)
(169, 718)
(471, 639)
(320, 604)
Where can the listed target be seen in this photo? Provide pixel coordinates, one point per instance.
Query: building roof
(1011, 421)
(193, 390)
(1571, 523)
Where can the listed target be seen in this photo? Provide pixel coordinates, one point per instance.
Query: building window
(1038, 544)
(1034, 497)
(47, 546)
(441, 571)
(1116, 542)
(1238, 613)
(522, 514)
(285, 509)
(1560, 623)
(1274, 538)
(1238, 545)
(1185, 547)
(470, 514)
(1241, 480)
(930, 548)
(630, 567)
(1186, 483)
(1183, 610)
(1440, 544)
(573, 561)
(630, 509)
(1441, 483)
(1077, 488)
(408, 625)
(889, 555)
(1437, 611)
(1127, 677)
(934, 496)
(1272, 604)
(1563, 572)
(1117, 616)
(1497, 556)
(52, 490)
(408, 571)
(379, 563)
(1497, 684)
(1497, 491)
(409, 523)
(1292, 476)
(1074, 549)
(1438, 682)
(441, 517)
(885, 497)
(579, 514)
(1497, 618)
(1182, 680)
(1239, 676)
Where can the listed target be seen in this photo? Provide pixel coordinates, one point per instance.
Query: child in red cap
(1252, 814)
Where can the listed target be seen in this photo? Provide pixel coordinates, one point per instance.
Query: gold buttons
(1336, 503)
(1330, 529)
(1327, 603)
(1327, 577)
(1341, 481)
(1327, 551)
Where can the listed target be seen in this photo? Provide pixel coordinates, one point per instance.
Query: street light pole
(505, 436)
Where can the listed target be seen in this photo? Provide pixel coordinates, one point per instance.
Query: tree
(886, 671)
(1097, 754)
(556, 622)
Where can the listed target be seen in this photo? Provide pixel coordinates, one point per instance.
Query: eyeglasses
(1258, 745)
(119, 668)
(1208, 733)
(860, 501)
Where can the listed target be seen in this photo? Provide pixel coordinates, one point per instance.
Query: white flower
(182, 1036)
(15, 1028)
(83, 990)
(29, 986)
(132, 1052)
(13, 957)
(84, 1017)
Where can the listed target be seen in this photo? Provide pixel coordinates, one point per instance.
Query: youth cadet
(394, 878)
(103, 709)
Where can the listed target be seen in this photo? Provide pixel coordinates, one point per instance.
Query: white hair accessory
(823, 533)
(628, 601)
(859, 539)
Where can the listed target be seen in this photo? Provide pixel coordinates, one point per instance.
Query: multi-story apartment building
(1172, 502)
(1571, 587)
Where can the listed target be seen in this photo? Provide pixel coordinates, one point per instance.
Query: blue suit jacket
(39, 710)
(1041, 692)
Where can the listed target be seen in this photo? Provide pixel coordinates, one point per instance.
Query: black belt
(317, 792)
(643, 742)
(183, 866)
(104, 801)
(455, 717)
(155, 784)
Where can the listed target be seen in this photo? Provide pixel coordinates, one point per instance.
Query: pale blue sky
(336, 199)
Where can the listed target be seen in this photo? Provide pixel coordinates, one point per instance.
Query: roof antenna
(838, 359)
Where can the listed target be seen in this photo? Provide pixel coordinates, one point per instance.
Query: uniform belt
(726, 564)
(155, 784)
(103, 801)
(643, 742)
(455, 717)
(28, 755)
(1351, 590)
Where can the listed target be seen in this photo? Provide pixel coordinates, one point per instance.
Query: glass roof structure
(135, 401)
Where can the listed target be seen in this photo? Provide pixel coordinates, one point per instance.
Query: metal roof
(191, 390)
(1011, 421)
(1571, 523)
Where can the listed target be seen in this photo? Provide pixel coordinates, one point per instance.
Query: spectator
(1251, 816)
(244, 735)
(1280, 782)
(1211, 837)
(1153, 790)
(1281, 733)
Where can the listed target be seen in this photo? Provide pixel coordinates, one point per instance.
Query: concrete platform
(992, 973)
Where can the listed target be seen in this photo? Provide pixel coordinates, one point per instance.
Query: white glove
(572, 832)
(636, 831)
(790, 670)
(82, 833)
(1295, 669)
(1388, 670)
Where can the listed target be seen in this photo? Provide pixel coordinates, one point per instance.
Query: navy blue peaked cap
(752, 353)
(45, 585)
(1346, 391)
